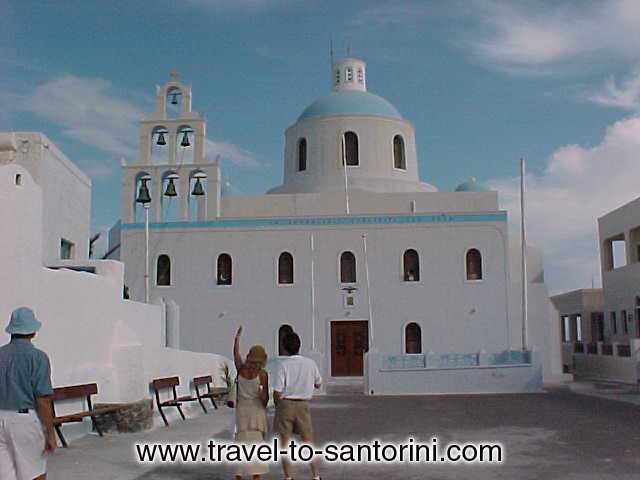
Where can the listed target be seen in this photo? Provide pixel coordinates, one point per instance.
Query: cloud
(230, 152)
(89, 111)
(241, 4)
(538, 35)
(625, 96)
(577, 186)
(401, 13)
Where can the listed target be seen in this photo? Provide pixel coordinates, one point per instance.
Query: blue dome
(471, 185)
(350, 102)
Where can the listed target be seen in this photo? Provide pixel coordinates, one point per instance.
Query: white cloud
(577, 186)
(241, 4)
(230, 152)
(553, 34)
(90, 111)
(625, 95)
(392, 14)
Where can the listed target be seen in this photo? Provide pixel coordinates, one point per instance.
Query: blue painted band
(359, 220)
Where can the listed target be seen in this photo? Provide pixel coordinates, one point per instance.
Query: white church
(352, 251)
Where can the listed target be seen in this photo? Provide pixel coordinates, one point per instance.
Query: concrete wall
(66, 193)
(620, 285)
(89, 332)
(609, 367)
(516, 378)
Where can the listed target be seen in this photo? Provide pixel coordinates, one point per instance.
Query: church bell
(198, 191)
(174, 99)
(185, 140)
(171, 189)
(143, 193)
(161, 140)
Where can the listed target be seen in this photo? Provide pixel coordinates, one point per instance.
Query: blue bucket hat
(23, 322)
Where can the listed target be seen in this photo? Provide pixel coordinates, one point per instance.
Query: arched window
(283, 331)
(399, 160)
(285, 268)
(413, 338)
(411, 263)
(163, 271)
(302, 154)
(348, 267)
(474, 265)
(224, 274)
(350, 149)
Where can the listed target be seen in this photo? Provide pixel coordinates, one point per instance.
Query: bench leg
(60, 436)
(202, 405)
(215, 405)
(95, 425)
(164, 419)
(180, 410)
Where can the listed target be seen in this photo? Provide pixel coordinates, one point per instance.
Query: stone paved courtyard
(556, 435)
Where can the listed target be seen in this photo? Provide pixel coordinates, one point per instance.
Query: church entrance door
(349, 341)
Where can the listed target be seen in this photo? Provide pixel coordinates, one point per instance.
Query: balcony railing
(578, 347)
(607, 349)
(624, 350)
(592, 348)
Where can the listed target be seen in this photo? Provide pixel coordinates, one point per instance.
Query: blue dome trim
(471, 185)
(350, 102)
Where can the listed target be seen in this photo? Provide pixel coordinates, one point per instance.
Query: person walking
(251, 399)
(26, 422)
(293, 387)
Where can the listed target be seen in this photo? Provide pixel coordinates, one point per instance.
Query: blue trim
(284, 222)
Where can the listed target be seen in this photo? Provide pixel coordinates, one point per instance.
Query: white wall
(66, 194)
(88, 330)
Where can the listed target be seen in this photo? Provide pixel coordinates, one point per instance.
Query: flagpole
(346, 181)
(313, 298)
(366, 271)
(523, 244)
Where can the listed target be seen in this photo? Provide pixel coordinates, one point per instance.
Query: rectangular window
(566, 328)
(625, 324)
(614, 323)
(578, 320)
(66, 249)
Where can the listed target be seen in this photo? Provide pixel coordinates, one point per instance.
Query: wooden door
(349, 341)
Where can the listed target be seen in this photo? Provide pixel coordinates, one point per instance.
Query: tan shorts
(21, 446)
(293, 417)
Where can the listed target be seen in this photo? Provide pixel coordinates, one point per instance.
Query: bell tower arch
(172, 155)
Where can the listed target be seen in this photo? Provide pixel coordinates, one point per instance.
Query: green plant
(226, 375)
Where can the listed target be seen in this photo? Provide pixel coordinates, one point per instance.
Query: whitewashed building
(352, 251)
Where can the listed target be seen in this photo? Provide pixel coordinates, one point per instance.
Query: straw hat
(257, 354)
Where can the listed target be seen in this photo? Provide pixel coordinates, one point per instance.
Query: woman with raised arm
(252, 397)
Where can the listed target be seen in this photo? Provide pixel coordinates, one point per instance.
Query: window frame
(302, 140)
(217, 268)
(170, 284)
(402, 269)
(404, 152)
(405, 338)
(293, 267)
(355, 262)
(482, 266)
(343, 150)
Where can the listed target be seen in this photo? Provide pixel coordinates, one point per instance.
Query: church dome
(350, 102)
(471, 185)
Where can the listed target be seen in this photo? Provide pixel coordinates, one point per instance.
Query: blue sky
(483, 82)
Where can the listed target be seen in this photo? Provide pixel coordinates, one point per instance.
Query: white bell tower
(183, 184)
(350, 74)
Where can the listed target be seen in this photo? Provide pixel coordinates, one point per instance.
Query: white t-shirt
(296, 377)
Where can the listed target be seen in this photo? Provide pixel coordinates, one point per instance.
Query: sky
(484, 82)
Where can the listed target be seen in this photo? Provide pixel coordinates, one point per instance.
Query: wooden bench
(170, 383)
(211, 392)
(73, 392)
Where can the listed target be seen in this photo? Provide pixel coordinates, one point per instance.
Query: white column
(523, 241)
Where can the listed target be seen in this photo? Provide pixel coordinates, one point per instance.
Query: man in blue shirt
(26, 425)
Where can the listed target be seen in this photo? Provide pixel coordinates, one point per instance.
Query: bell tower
(182, 183)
